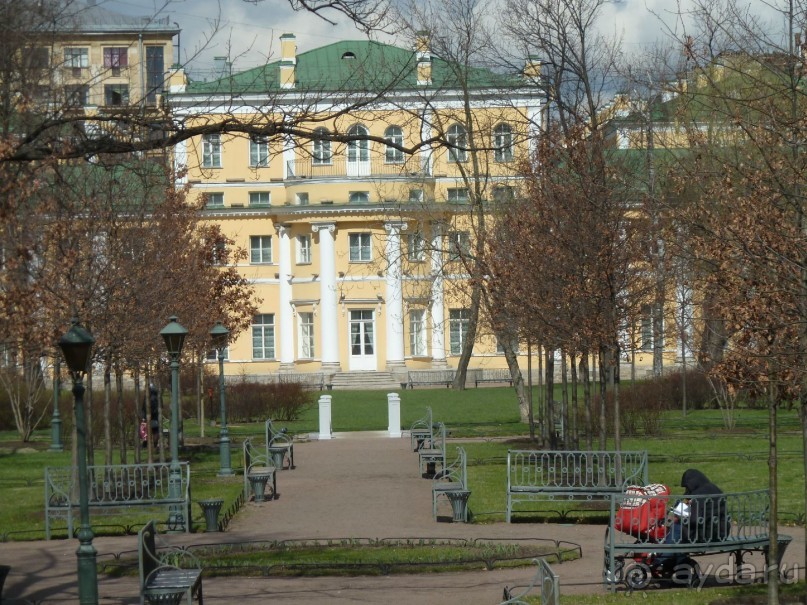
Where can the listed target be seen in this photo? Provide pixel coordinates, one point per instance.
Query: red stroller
(643, 515)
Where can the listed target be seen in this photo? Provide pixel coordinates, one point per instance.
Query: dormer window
(348, 55)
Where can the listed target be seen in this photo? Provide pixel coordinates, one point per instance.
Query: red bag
(643, 511)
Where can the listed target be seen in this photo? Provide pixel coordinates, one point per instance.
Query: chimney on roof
(532, 70)
(288, 61)
(221, 67)
(424, 59)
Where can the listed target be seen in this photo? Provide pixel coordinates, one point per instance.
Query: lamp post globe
(220, 335)
(174, 336)
(76, 347)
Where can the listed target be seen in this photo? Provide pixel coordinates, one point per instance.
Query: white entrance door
(362, 340)
(358, 152)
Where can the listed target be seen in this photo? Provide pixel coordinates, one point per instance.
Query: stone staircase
(378, 381)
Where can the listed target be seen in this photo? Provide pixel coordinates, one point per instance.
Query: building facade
(358, 228)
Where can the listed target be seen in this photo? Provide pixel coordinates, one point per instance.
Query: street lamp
(76, 346)
(56, 421)
(220, 334)
(174, 336)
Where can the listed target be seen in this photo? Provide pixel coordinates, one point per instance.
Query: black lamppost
(220, 334)
(56, 422)
(76, 346)
(174, 336)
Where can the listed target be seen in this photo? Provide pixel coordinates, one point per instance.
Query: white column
(394, 414)
(437, 310)
(181, 163)
(329, 320)
(325, 430)
(394, 296)
(286, 319)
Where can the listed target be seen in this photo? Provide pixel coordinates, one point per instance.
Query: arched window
(503, 143)
(394, 135)
(358, 151)
(322, 146)
(458, 140)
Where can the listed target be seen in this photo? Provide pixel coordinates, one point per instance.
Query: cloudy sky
(248, 31)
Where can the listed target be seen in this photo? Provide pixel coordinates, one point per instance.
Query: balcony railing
(340, 167)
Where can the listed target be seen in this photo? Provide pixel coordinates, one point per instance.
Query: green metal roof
(357, 65)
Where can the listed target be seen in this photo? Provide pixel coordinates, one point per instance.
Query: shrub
(251, 401)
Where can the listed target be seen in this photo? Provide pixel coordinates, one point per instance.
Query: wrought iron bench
(162, 580)
(308, 380)
(279, 446)
(547, 582)
(421, 429)
(568, 476)
(433, 451)
(119, 486)
(493, 375)
(258, 472)
(430, 378)
(452, 482)
(733, 523)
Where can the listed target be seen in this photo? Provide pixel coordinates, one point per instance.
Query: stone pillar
(329, 320)
(394, 413)
(325, 431)
(394, 296)
(437, 310)
(286, 315)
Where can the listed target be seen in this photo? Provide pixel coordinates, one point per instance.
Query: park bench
(568, 476)
(452, 482)
(258, 471)
(162, 580)
(308, 380)
(279, 445)
(422, 428)
(433, 452)
(545, 579)
(493, 376)
(429, 378)
(115, 487)
(735, 523)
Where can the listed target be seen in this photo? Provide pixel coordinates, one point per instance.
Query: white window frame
(76, 57)
(358, 197)
(361, 247)
(260, 249)
(457, 136)
(211, 150)
(214, 199)
(503, 143)
(254, 198)
(358, 150)
(305, 335)
(263, 336)
(303, 249)
(321, 154)
(417, 333)
(459, 245)
(457, 195)
(457, 329)
(258, 151)
(415, 247)
(392, 155)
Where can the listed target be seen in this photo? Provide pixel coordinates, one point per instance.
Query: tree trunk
(550, 400)
(107, 412)
(470, 337)
(588, 413)
(121, 415)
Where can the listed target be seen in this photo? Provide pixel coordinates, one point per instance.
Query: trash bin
(278, 454)
(211, 510)
(459, 504)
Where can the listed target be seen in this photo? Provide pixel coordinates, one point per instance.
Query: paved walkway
(356, 485)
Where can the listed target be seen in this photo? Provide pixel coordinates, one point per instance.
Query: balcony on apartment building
(340, 166)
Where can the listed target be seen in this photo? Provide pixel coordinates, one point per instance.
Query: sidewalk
(358, 485)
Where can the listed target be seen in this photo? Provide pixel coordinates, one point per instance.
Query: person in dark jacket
(707, 519)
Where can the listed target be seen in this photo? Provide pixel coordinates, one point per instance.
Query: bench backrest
(456, 472)
(115, 484)
(416, 376)
(576, 470)
(147, 560)
(425, 423)
(720, 519)
(547, 582)
(275, 437)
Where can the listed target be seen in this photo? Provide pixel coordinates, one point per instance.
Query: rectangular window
(258, 151)
(77, 95)
(155, 72)
(116, 58)
(459, 245)
(458, 328)
(303, 249)
(212, 355)
(457, 195)
(211, 151)
(38, 57)
(259, 198)
(416, 247)
(306, 335)
(263, 336)
(301, 199)
(260, 249)
(360, 247)
(417, 333)
(503, 193)
(116, 95)
(214, 200)
(76, 59)
(416, 196)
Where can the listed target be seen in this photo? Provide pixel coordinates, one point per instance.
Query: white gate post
(394, 407)
(324, 417)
